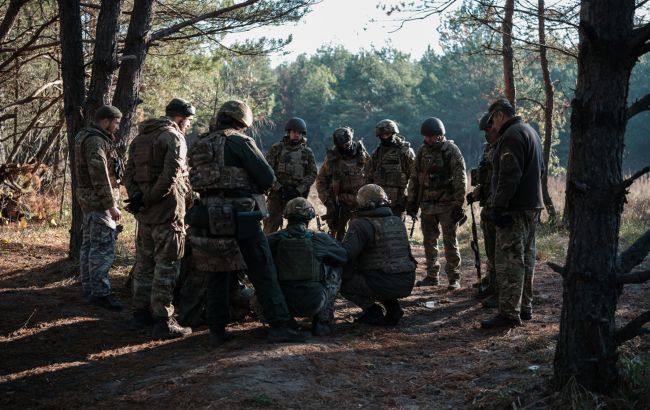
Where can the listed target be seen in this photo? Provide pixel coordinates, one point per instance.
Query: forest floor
(56, 351)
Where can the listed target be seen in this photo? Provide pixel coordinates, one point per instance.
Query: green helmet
(485, 122)
(299, 207)
(237, 110)
(342, 136)
(371, 196)
(296, 124)
(386, 127)
(179, 107)
(432, 126)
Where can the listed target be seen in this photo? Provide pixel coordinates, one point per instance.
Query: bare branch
(632, 329)
(557, 268)
(640, 38)
(29, 42)
(635, 254)
(10, 17)
(5, 117)
(32, 96)
(635, 277)
(16, 148)
(621, 188)
(639, 106)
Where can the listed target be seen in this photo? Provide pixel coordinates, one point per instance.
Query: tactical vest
(291, 164)
(348, 173)
(391, 253)
(209, 171)
(485, 174)
(295, 259)
(435, 171)
(149, 161)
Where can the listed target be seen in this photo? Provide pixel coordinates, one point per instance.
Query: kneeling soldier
(380, 265)
(309, 266)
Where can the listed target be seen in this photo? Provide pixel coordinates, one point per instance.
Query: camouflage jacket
(340, 177)
(482, 191)
(157, 168)
(390, 168)
(439, 175)
(294, 165)
(94, 158)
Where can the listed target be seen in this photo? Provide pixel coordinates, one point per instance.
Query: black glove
(457, 214)
(501, 219)
(470, 198)
(134, 203)
(287, 193)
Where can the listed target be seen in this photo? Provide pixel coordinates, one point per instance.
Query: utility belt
(226, 217)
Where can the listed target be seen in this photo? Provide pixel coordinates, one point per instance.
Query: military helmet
(342, 136)
(371, 196)
(432, 126)
(179, 107)
(296, 124)
(485, 122)
(299, 207)
(237, 110)
(386, 127)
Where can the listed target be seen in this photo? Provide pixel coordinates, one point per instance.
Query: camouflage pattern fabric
(515, 263)
(159, 249)
(489, 237)
(432, 224)
(275, 205)
(97, 254)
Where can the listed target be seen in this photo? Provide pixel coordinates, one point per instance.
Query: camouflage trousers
(515, 264)
(97, 255)
(275, 206)
(432, 224)
(338, 226)
(159, 249)
(320, 304)
(489, 236)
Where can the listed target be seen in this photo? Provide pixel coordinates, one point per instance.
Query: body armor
(209, 171)
(149, 162)
(484, 174)
(291, 164)
(391, 253)
(435, 172)
(349, 175)
(389, 169)
(295, 259)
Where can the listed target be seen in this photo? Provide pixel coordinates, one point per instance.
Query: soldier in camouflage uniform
(97, 193)
(309, 266)
(342, 174)
(295, 169)
(437, 188)
(482, 181)
(390, 164)
(516, 203)
(230, 174)
(380, 265)
(156, 180)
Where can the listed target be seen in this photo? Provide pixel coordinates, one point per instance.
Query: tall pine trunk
(508, 54)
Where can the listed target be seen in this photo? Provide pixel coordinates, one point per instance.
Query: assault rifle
(474, 246)
(338, 208)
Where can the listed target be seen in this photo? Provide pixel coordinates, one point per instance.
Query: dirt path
(56, 351)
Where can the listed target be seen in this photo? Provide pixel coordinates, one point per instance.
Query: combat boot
(284, 334)
(320, 328)
(491, 302)
(168, 328)
(500, 321)
(428, 281)
(526, 315)
(218, 335)
(109, 302)
(454, 284)
(141, 318)
(373, 315)
(393, 312)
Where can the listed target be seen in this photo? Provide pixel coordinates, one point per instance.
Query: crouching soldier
(309, 266)
(380, 265)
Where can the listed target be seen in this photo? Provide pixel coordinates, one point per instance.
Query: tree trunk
(508, 54)
(127, 91)
(587, 348)
(548, 112)
(72, 72)
(104, 57)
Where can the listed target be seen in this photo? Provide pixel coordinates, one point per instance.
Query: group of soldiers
(202, 210)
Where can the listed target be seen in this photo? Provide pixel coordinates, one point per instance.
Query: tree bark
(548, 111)
(587, 345)
(104, 57)
(72, 72)
(508, 54)
(10, 17)
(127, 90)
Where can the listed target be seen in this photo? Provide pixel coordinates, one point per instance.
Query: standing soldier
(380, 265)
(390, 164)
(295, 169)
(156, 180)
(482, 180)
(516, 203)
(97, 194)
(230, 173)
(437, 188)
(309, 266)
(340, 177)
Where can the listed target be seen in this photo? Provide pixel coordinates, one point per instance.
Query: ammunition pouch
(295, 259)
(216, 254)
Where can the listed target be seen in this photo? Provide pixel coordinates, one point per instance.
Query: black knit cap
(179, 107)
(107, 112)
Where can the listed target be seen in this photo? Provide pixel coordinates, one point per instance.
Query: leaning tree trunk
(72, 71)
(548, 111)
(127, 90)
(508, 54)
(587, 346)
